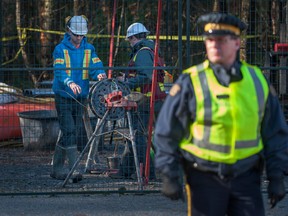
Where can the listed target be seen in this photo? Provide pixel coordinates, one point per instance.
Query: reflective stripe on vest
(86, 62)
(59, 61)
(148, 94)
(161, 86)
(138, 89)
(68, 61)
(227, 124)
(96, 60)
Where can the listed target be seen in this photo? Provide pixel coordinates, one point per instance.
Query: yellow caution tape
(167, 37)
(162, 37)
(17, 54)
(8, 38)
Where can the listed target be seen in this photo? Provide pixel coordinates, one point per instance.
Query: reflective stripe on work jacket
(86, 62)
(133, 74)
(228, 119)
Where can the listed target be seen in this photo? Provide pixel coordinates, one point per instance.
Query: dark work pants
(128, 165)
(212, 196)
(70, 119)
(140, 124)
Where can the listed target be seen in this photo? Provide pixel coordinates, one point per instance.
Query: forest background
(30, 30)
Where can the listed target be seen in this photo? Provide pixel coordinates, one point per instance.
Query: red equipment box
(281, 47)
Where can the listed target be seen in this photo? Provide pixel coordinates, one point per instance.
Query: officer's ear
(238, 43)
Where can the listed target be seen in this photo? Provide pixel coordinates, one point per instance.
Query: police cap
(221, 24)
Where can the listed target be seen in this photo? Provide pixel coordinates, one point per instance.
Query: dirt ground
(25, 183)
(28, 172)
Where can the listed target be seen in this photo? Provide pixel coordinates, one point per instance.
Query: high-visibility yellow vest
(146, 88)
(228, 119)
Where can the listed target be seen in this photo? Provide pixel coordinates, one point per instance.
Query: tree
(45, 17)
(40, 28)
(23, 39)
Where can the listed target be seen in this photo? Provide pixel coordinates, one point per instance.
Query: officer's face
(222, 49)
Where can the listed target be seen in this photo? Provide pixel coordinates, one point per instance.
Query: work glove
(276, 191)
(172, 188)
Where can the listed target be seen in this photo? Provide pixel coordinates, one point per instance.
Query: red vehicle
(9, 120)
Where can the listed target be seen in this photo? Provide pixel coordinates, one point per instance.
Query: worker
(221, 124)
(139, 79)
(71, 88)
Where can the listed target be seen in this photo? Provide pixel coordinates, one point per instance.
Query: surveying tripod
(108, 99)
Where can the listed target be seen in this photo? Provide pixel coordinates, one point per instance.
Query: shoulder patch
(174, 90)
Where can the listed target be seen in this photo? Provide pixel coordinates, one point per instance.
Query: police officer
(222, 121)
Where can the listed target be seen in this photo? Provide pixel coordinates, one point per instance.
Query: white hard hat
(136, 28)
(78, 25)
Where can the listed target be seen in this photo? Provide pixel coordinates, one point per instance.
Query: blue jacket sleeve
(173, 124)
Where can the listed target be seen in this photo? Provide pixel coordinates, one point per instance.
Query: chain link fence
(30, 31)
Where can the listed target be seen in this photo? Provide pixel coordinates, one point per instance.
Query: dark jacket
(177, 113)
(144, 58)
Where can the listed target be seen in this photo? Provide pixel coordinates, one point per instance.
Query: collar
(225, 77)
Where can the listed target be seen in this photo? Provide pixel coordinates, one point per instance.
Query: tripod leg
(85, 149)
(132, 135)
(143, 128)
(112, 134)
(93, 151)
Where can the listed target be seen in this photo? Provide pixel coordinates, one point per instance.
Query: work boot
(58, 164)
(72, 156)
